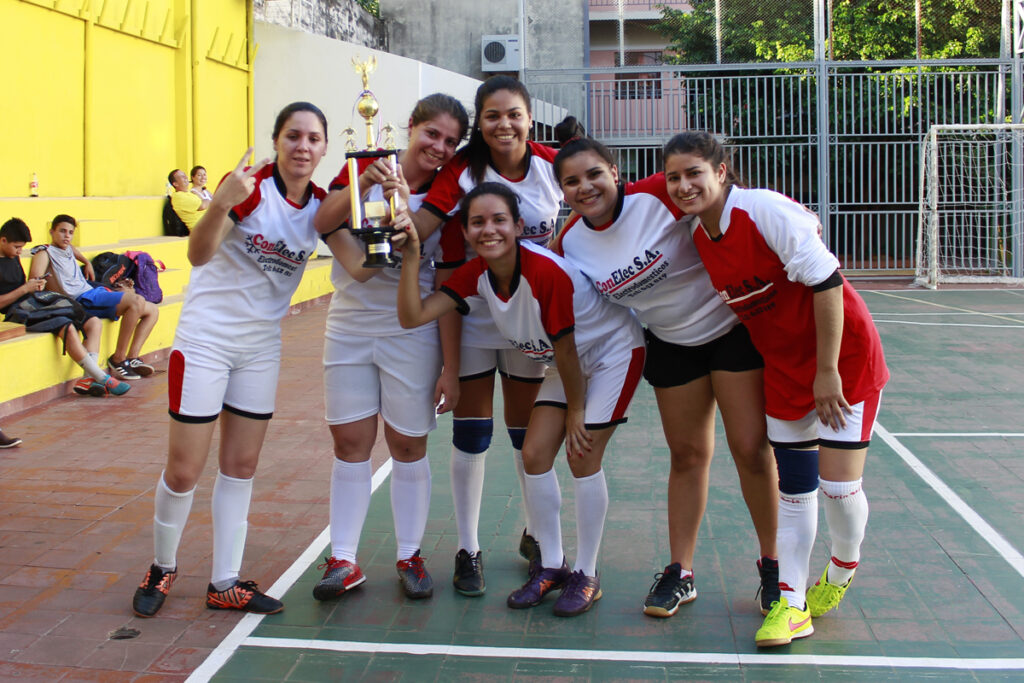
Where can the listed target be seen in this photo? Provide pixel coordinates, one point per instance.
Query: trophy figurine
(367, 222)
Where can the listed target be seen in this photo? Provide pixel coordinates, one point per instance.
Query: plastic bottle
(33, 186)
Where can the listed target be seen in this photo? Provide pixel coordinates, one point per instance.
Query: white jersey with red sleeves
(538, 190)
(241, 294)
(550, 298)
(369, 308)
(764, 266)
(645, 259)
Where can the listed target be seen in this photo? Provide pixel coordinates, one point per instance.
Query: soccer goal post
(971, 211)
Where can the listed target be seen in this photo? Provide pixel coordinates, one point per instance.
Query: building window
(638, 86)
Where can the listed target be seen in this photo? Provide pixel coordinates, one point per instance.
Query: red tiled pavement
(76, 506)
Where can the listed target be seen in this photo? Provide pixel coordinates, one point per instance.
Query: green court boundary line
(645, 657)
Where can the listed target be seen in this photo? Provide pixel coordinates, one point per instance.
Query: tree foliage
(783, 31)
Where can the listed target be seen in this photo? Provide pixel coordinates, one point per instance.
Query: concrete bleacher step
(42, 371)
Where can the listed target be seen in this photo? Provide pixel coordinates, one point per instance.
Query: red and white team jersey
(241, 294)
(540, 198)
(538, 190)
(764, 266)
(368, 308)
(645, 259)
(550, 298)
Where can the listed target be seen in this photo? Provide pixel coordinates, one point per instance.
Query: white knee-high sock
(591, 509)
(230, 504)
(545, 500)
(170, 513)
(92, 368)
(350, 500)
(410, 504)
(798, 524)
(517, 458)
(846, 511)
(467, 470)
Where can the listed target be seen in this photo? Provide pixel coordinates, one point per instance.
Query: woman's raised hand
(239, 184)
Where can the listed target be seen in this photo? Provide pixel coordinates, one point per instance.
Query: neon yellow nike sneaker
(823, 596)
(783, 624)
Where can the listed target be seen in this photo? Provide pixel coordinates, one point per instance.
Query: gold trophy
(368, 217)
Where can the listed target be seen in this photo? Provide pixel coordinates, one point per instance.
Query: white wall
(293, 65)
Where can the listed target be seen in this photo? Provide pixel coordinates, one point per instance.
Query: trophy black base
(379, 252)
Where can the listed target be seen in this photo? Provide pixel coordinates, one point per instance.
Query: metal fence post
(824, 144)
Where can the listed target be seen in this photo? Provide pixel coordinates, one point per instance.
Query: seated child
(138, 316)
(13, 236)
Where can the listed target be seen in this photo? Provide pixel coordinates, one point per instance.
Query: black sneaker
(529, 549)
(669, 592)
(469, 574)
(413, 576)
(140, 367)
(151, 593)
(244, 596)
(122, 370)
(769, 591)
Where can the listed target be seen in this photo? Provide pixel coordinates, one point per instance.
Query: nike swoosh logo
(794, 627)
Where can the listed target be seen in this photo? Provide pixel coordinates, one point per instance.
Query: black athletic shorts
(672, 365)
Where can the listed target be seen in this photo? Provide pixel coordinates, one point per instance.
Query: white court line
(993, 537)
(243, 629)
(956, 435)
(944, 314)
(638, 656)
(241, 634)
(921, 324)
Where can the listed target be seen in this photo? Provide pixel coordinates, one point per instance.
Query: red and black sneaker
(339, 576)
(244, 596)
(415, 579)
(151, 593)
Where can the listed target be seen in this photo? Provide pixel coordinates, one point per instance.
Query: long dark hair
(572, 139)
(499, 189)
(707, 147)
(477, 151)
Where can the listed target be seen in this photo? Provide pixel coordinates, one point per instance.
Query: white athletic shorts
(611, 380)
(202, 380)
(392, 375)
(475, 362)
(808, 430)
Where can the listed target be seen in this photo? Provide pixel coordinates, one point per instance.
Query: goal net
(971, 212)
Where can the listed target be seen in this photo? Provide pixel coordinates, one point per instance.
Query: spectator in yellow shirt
(186, 204)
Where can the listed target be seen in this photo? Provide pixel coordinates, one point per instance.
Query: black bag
(46, 312)
(173, 225)
(110, 267)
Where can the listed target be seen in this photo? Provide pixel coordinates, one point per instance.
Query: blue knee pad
(798, 470)
(472, 435)
(518, 436)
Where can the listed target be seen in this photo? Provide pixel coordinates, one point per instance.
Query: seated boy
(138, 316)
(13, 236)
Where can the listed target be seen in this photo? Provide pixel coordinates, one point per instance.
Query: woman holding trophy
(248, 253)
(373, 366)
(499, 150)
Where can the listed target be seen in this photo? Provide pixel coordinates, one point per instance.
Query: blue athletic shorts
(101, 302)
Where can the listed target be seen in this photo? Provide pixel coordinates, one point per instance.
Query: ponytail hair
(707, 147)
(477, 151)
(572, 139)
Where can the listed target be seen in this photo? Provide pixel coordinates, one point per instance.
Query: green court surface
(939, 594)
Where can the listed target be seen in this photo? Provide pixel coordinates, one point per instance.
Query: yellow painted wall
(102, 99)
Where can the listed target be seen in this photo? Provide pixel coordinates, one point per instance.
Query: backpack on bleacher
(173, 225)
(110, 267)
(146, 283)
(46, 312)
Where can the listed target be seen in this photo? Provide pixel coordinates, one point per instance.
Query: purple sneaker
(580, 592)
(542, 581)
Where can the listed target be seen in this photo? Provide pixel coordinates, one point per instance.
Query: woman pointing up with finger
(248, 253)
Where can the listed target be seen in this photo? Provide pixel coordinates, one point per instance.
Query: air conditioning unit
(499, 53)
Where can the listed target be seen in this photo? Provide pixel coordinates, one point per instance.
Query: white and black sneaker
(668, 592)
(141, 368)
(122, 370)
